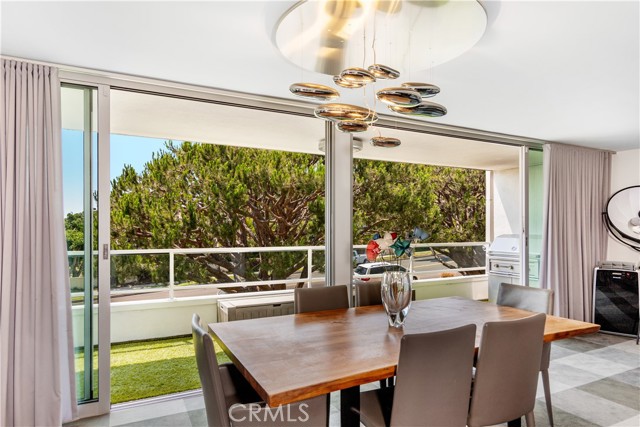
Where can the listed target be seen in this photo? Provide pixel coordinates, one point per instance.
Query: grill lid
(508, 244)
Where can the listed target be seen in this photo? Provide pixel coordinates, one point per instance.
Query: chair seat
(375, 407)
(236, 388)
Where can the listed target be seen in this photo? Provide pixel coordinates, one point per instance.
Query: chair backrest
(210, 378)
(526, 298)
(319, 299)
(433, 380)
(507, 370)
(368, 294)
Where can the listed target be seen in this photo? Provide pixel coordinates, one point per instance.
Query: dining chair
(539, 301)
(318, 299)
(230, 400)
(433, 382)
(506, 377)
(368, 294)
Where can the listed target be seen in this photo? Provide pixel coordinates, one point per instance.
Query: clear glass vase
(396, 296)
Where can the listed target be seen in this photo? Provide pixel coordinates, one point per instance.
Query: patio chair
(433, 382)
(539, 301)
(318, 299)
(230, 400)
(506, 377)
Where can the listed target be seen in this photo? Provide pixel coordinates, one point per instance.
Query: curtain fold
(37, 384)
(577, 183)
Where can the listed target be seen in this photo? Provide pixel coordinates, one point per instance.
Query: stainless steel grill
(504, 263)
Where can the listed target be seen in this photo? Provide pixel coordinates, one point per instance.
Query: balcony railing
(428, 261)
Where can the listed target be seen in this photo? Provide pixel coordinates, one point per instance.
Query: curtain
(37, 385)
(577, 182)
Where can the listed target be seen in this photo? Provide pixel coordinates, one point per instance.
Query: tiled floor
(595, 381)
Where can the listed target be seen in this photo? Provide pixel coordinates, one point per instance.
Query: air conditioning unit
(616, 299)
(254, 307)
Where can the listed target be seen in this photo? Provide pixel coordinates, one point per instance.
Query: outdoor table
(295, 357)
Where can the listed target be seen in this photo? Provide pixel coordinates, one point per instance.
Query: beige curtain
(37, 384)
(574, 237)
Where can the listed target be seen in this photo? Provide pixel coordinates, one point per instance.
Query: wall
(506, 202)
(625, 171)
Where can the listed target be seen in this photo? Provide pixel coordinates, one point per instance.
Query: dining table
(300, 356)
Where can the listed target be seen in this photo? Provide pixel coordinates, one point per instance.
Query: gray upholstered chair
(318, 299)
(433, 382)
(539, 301)
(506, 378)
(230, 400)
(368, 294)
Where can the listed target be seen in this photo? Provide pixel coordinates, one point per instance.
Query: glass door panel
(79, 159)
(536, 189)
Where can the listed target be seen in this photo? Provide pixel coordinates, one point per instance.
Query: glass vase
(396, 296)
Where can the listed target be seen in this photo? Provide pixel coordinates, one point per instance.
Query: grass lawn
(142, 369)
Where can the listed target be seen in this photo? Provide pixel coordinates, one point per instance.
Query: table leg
(349, 398)
(515, 423)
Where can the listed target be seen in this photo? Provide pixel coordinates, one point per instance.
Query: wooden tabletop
(289, 358)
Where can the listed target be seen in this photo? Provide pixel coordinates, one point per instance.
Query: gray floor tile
(631, 377)
(577, 345)
(612, 354)
(602, 339)
(122, 416)
(558, 352)
(560, 417)
(198, 418)
(100, 421)
(593, 364)
(631, 422)
(629, 346)
(590, 407)
(616, 391)
(193, 403)
(176, 420)
(570, 375)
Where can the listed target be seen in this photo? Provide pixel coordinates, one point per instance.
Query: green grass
(142, 369)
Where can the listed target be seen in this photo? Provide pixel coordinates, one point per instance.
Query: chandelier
(328, 36)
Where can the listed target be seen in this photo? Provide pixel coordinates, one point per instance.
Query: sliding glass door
(82, 207)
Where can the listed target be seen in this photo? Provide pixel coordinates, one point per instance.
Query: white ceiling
(557, 71)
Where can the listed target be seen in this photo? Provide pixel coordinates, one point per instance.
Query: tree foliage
(194, 195)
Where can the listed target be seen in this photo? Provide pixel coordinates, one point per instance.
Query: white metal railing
(309, 279)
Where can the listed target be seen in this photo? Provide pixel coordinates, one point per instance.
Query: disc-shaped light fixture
(357, 75)
(383, 72)
(352, 126)
(385, 141)
(313, 90)
(399, 96)
(342, 112)
(425, 90)
(346, 84)
(328, 36)
(425, 109)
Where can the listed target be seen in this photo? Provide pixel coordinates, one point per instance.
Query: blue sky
(132, 150)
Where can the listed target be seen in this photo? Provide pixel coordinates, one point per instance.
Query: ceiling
(557, 71)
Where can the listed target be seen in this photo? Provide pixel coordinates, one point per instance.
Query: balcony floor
(595, 381)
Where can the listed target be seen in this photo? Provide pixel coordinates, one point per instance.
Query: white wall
(625, 171)
(506, 202)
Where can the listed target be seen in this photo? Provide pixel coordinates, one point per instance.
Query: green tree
(206, 196)
(74, 227)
